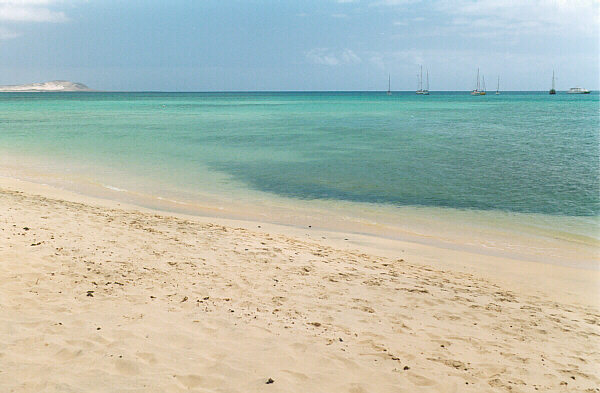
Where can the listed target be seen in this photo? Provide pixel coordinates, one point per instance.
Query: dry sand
(101, 297)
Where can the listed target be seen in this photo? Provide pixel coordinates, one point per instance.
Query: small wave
(113, 188)
(171, 200)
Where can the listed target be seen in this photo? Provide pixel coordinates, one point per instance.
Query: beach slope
(102, 298)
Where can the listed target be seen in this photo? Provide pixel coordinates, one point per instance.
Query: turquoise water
(516, 152)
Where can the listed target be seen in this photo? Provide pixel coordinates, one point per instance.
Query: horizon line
(273, 91)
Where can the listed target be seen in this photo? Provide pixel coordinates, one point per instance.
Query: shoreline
(103, 296)
(508, 267)
(557, 240)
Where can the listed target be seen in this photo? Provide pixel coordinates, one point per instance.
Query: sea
(479, 171)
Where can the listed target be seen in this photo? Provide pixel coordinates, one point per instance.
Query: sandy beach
(98, 296)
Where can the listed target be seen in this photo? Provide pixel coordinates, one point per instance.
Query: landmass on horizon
(57, 85)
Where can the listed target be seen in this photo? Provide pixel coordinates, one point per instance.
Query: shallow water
(360, 153)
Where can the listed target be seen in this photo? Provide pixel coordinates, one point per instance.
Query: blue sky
(207, 45)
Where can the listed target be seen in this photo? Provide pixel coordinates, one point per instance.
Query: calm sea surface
(515, 152)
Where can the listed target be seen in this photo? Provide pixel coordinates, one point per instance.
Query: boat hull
(578, 90)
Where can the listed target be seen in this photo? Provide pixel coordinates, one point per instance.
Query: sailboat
(552, 91)
(426, 91)
(476, 92)
(498, 86)
(420, 83)
(389, 92)
(482, 92)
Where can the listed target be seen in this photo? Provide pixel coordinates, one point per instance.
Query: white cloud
(511, 17)
(328, 57)
(339, 16)
(17, 13)
(349, 56)
(392, 3)
(21, 11)
(26, 2)
(30, 11)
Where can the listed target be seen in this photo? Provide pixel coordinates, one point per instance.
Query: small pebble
(270, 381)
(406, 368)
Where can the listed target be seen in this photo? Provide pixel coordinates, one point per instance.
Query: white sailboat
(420, 83)
(483, 91)
(498, 86)
(389, 92)
(426, 91)
(553, 90)
(476, 92)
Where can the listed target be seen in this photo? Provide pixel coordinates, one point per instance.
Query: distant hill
(46, 86)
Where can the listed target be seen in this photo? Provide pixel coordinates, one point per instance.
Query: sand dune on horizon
(53, 86)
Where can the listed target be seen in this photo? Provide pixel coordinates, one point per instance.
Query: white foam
(114, 188)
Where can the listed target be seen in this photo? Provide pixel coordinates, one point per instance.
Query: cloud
(30, 11)
(328, 57)
(509, 17)
(392, 3)
(26, 2)
(349, 56)
(23, 11)
(17, 13)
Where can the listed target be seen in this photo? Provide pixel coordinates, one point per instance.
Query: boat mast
(498, 87)
(553, 80)
(427, 80)
(477, 80)
(421, 79)
(483, 83)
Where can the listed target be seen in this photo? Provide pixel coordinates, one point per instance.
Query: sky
(252, 45)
